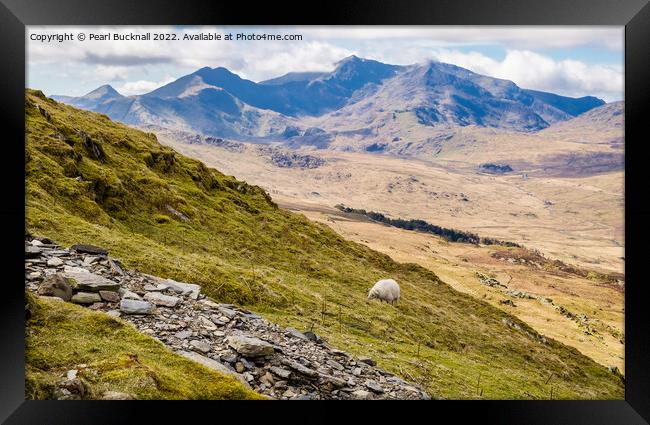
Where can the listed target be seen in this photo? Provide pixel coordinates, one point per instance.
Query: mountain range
(217, 102)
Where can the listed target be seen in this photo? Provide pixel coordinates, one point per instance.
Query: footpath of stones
(281, 363)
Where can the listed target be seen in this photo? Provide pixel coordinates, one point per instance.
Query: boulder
(33, 275)
(54, 262)
(115, 267)
(130, 306)
(32, 252)
(74, 269)
(337, 382)
(110, 296)
(267, 378)
(125, 293)
(181, 287)
(362, 395)
(297, 334)
(183, 334)
(56, 286)
(92, 282)
(161, 299)
(303, 370)
(86, 298)
(88, 260)
(312, 336)
(250, 346)
(203, 347)
(228, 312)
(208, 324)
(374, 386)
(71, 389)
(278, 371)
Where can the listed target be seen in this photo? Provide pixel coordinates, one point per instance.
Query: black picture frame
(633, 14)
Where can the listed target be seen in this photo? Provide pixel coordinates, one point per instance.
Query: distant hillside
(89, 179)
(358, 92)
(293, 77)
(604, 124)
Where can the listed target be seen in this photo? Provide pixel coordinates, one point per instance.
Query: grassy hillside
(62, 336)
(95, 181)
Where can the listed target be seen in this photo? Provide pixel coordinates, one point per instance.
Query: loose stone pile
(281, 363)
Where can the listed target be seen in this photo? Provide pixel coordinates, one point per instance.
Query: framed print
(424, 201)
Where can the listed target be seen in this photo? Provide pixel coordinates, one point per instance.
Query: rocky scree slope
(73, 353)
(91, 179)
(278, 362)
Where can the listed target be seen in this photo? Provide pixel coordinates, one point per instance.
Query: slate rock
(32, 252)
(297, 334)
(203, 347)
(228, 312)
(312, 336)
(374, 386)
(125, 293)
(250, 346)
(303, 370)
(56, 286)
(362, 395)
(86, 298)
(89, 249)
(130, 306)
(282, 373)
(54, 262)
(115, 267)
(183, 334)
(181, 287)
(161, 299)
(229, 358)
(92, 282)
(110, 296)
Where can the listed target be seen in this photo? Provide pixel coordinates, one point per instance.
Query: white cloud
(106, 73)
(141, 86)
(142, 64)
(535, 71)
(535, 37)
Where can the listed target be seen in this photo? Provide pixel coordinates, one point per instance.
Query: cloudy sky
(573, 61)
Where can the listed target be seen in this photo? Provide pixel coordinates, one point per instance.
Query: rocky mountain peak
(102, 93)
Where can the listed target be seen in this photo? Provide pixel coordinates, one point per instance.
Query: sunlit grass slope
(92, 180)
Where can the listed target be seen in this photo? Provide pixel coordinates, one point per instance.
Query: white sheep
(385, 290)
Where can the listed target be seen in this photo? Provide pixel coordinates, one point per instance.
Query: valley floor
(597, 325)
(577, 220)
